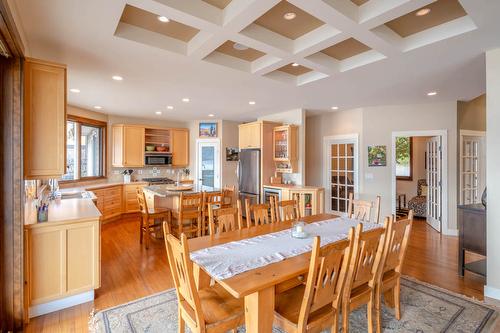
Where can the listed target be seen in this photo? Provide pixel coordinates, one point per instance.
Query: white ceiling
(81, 34)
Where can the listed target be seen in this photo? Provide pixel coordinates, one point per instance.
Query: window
(404, 158)
(85, 148)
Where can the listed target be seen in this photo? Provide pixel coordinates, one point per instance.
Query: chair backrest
(367, 256)
(181, 268)
(260, 213)
(212, 199)
(190, 205)
(326, 278)
(224, 219)
(398, 237)
(362, 210)
(228, 195)
(287, 210)
(141, 199)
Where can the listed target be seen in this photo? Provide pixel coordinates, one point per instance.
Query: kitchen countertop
(164, 191)
(292, 187)
(97, 186)
(63, 211)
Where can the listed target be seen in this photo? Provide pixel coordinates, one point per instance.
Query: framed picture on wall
(208, 130)
(377, 156)
(232, 154)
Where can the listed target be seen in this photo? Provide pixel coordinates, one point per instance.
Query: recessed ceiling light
(170, 107)
(163, 19)
(211, 115)
(158, 112)
(98, 107)
(335, 107)
(289, 16)
(240, 47)
(295, 64)
(432, 93)
(251, 102)
(423, 12)
(185, 100)
(74, 90)
(117, 77)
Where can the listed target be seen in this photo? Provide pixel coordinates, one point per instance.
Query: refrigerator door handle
(238, 170)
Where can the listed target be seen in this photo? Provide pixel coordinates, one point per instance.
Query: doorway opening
(208, 162)
(420, 176)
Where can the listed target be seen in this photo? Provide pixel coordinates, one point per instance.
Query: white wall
(418, 165)
(375, 126)
(492, 289)
(294, 117)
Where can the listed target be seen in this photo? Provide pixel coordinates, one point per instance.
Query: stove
(158, 181)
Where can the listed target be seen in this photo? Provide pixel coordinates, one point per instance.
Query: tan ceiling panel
(221, 4)
(149, 21)
(295, 70)
(303, 23)
(346, 49)
(442, 11)
(247, 55)
(359, 2)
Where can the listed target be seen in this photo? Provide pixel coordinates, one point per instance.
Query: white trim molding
(444, 201)
(491, 292)
(41, 309)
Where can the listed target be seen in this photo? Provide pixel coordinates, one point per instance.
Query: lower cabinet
(61, 260)
(310, 201)
(109, 201)
(130, 203)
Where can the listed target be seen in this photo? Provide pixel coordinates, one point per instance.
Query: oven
(158, 159)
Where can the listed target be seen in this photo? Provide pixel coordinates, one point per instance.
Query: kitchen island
(166, 196)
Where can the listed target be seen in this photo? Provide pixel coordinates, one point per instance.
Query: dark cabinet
(472, 237)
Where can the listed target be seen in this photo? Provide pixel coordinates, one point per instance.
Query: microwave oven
(158, 159)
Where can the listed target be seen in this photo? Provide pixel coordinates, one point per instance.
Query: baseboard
(41, 309)
(450, 232)
(492, 292)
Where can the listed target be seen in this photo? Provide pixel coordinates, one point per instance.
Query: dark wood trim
(410, 177)
(86, 120)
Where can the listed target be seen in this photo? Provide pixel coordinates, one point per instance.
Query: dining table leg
(201, 278)
(259, 311)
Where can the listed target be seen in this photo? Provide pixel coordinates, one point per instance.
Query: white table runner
(227, 260)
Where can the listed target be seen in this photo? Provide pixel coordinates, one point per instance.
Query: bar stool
(158, 216)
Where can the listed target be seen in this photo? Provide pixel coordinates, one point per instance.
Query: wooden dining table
(256, 286)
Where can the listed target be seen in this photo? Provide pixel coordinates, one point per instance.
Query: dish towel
(227, 260)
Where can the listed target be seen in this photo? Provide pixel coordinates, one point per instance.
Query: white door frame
(354, 137)
(217, 166)
(481, 134)
(444, 172)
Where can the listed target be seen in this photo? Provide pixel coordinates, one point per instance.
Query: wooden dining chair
(189, 216)
(362, 210)
(364, 274)
(228, 196)
(157, 216)
(287, 210)
(210, 309)
(316, 305)
(213, 199)
(258, 213)
(224, 219)
(398, 236)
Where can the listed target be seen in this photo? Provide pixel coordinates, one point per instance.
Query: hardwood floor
(129, 271)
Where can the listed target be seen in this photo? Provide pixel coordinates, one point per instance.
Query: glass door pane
(207, 165)
(341, 174)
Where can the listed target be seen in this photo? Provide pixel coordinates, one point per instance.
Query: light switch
(368, 176)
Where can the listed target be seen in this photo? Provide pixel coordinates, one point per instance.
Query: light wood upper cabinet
(44, 119)
(127, 146)
(250, 135)
(180, 147)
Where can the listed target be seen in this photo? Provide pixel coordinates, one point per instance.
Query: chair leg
(335, 325)
(147, 234)
(397, 302)
(345, 318)
(369, 314)
(140, 229)
(378, 308)
(182, 324)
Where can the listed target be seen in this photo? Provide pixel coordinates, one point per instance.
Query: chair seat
(219, 308)
(158, 212)
(287, 310)
(360, 295)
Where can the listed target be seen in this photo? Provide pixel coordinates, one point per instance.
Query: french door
(341, 176)
(208, 163)
(434, 182)
(472, 167)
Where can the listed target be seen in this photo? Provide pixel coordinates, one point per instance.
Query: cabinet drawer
(113, 191)
(112, 204)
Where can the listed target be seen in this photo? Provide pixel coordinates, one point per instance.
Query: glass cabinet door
(281, 144)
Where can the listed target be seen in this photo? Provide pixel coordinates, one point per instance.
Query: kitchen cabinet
(62, 259)
(311, 198)
(128, 145)
(250, 135)
(109, 201)
(130, 203)
(285, 148)
(44, 119)
(180, 147)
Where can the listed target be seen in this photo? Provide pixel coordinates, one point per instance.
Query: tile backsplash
(147, 172)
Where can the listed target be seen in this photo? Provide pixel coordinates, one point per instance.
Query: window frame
(410, 177)
(93, 123)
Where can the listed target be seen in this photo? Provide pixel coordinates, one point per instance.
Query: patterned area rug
(424, 308)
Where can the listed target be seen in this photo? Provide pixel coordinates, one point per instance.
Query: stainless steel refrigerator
(249, 176)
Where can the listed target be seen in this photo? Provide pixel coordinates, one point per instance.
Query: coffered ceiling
(350, 53)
